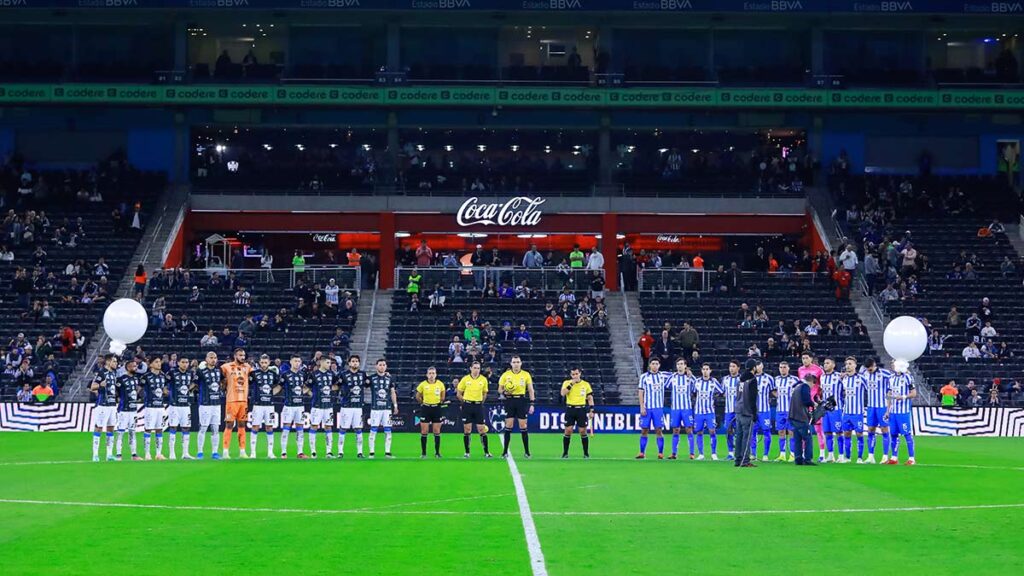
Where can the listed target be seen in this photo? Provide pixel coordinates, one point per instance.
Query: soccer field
(961, 510)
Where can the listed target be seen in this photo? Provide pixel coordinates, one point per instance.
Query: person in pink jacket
(807, 366)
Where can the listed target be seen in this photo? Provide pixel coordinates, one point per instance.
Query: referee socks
(526, 441)
(465, 442)
(423, 444)
(437, 444)
(565, 444)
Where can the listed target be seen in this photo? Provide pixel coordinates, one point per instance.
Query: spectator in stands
(936, 341)
(993, 396)
(969, 273)
(22, 287)
(414, 303)
(222, 66)
(169, 324)
(209, 341)
(506, 291)
(949, 393)
(1007, 267)
(985, 310)
(24, 395)
(470, 332)
(299, 264)
(455, 351)
(553, 320)
(689, 339)
(664, 348)
(523, 334)
(909, 254)
(490, 291)
(533, 258)
(595, 261)
(843, 329)
(597, 286)
(187, 325)
(989, 331)
(972, 327)
(158, 311)
(566, 296)
(975, 400)
(843, 278)
(772, 351)
(646, 343)
(953, 318)
(438, 297)
(970, 352)
(242, 297)
(355, 258)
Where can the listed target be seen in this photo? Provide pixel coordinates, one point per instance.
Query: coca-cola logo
(325, 238)
(668, 239)
(518, 211)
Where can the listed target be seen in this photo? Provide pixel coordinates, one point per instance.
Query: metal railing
(634, 349)
(469, 278)
(698, 281)
(346, 277)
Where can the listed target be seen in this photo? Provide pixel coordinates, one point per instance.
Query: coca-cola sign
(518, 211)
(325, 238)
(668, 239)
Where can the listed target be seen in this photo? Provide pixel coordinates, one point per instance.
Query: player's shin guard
(329, 438)
(586, 445)
(359, 441)
(300, 439)
(311, 437)
(483, 440)
(437, 444)
(216, 439)
(96, 444)
(423, 444)
(507, 438)
(373, 439)
(187, 443)
(270, 442)
(387, 440)
(110, 444)
(133, 442)
(174, 442)
(147, 441)
(526, 441)
(341, 441)
(860, 446)
(565, 444)
(159, 443)
(120, 441)
(202, 439)
(675, 444)
(465, 442)
(284, 439)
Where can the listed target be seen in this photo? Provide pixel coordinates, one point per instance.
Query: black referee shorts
(431, 414)
(576, 416)
(473, 413)
(518, 407)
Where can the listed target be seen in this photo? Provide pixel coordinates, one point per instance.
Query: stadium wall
(928, 421)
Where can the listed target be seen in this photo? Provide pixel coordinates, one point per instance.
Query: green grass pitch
(960, 511)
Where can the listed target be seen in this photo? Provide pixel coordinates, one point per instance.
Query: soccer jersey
(730, 388)
(431, 392)
(515, 383)
(353, 388)
(153, 385)
(293, 384)
(473, 389)
(765, 385)
(181, 387)
(236, 381)
(321, 383)
(576, 393)
(262, 386)
(653, 384)
(853, 393)
(705, 399)
(106, 394)
(128, 385)
(381, 387)
(830, 388)
(784, 386)
(877, 384)
(900, 385)
(681, 387)
(210, 390)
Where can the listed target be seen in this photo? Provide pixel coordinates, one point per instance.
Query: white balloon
(905, 338)
(125, 321)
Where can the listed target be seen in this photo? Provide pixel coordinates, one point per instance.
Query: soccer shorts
(321, 417)
(832, 423)
(702, 422)
(292, 415)
(126, 420)
(576, 416)
(655, 418)
(209, 416)
(473, 413)
(782, 421)
(763, 423)
(853, 423)
(876, 418)
(380, 418)
(179, 417)
(900, 424)
(153, 418)
(431, 414)
(730, 420)
(236, 411)
(104, 416)
(681, 418)
(518, 408)
(262, 416)
(350, 419)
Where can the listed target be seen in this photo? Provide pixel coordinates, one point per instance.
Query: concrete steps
(370, 334)
(625, 324)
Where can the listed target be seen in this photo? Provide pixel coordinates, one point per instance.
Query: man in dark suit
(746, 410)
(800, 406)
(664, 349)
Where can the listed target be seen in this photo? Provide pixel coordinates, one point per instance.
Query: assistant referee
(515, 387)
(430, 395)
(579, 406)
(472, 392)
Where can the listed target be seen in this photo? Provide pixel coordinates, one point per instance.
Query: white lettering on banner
(325, 238)
(518, 211)
(668, 239)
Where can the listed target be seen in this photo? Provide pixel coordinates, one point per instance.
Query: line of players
(880, 397)
(120, 393)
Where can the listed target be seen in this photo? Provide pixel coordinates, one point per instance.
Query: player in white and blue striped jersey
(877, 379)
(705, 389)
(854, 390)
(730, 389)
(680, 385)
(901, 392)
(652, 407)
(765, 392)
(832, 422)
(784, 384)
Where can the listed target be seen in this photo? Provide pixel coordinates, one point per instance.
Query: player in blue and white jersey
(877, 379)
(263, 385)
(901, 392)
(832, 422)
(651, 390)
(322, 384)
(763, 424)
(104, 413)
(154, 386)
(705, 389)
(854, 390)
(784, 384)
(182, 387)
(680, 385)
(730, 389)
(129, 386)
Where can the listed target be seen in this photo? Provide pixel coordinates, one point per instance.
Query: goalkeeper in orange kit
(236, 380)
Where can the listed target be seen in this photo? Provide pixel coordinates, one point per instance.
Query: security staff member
(430, 395)
(472, 392)
(579, 407)
(516, 388)
(746, 410)
(800, 406)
